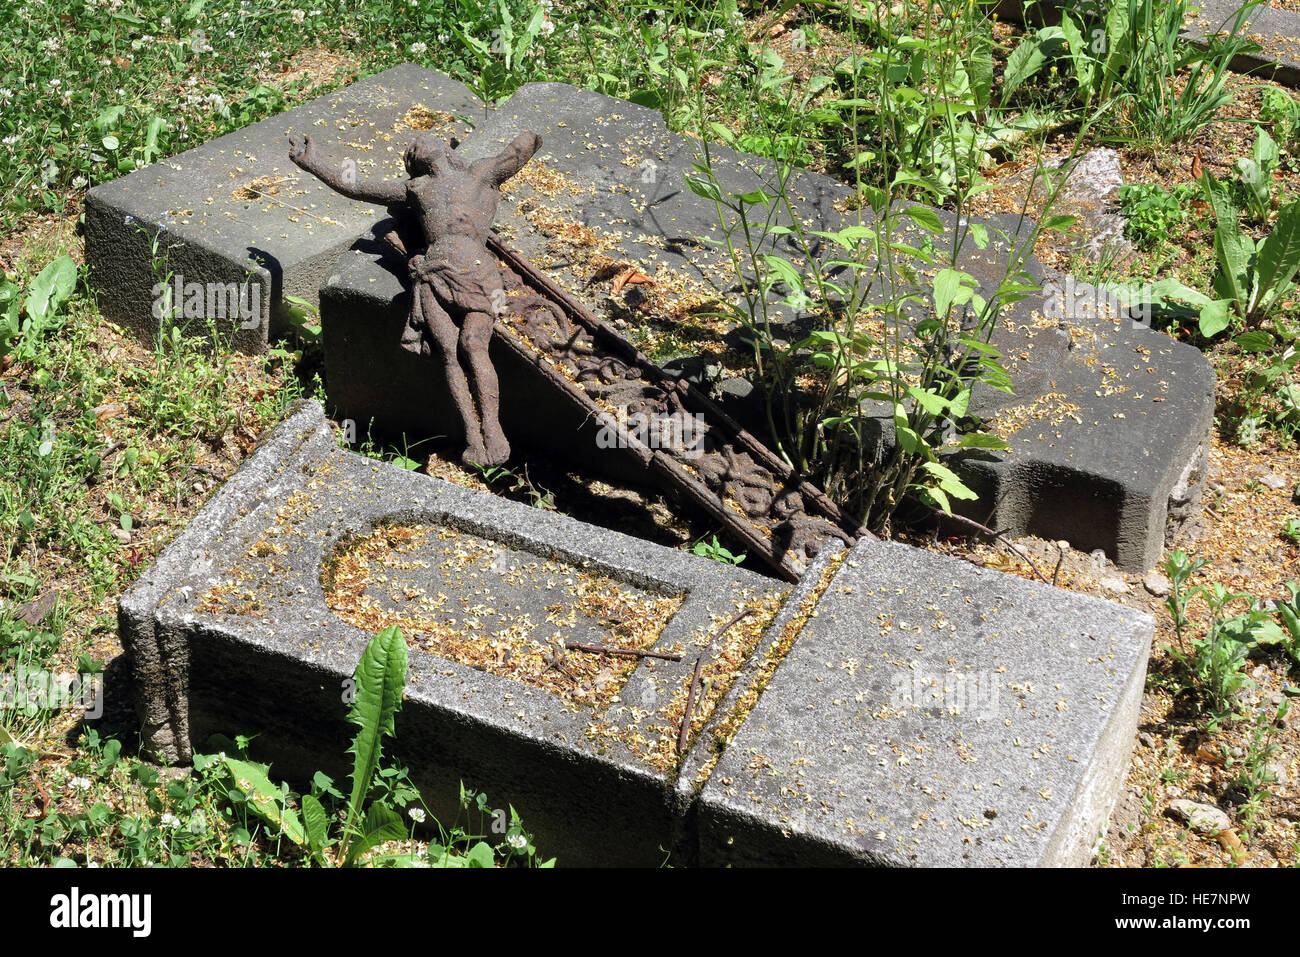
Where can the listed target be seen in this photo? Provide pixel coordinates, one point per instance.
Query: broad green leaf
(948, 480)
(980, 65)
(1029, 57)
(1232, 248)
(907, 440)
(937, 496)
(1157, 293)
(48, 290)
(960, 403)
(927, 219)
(785, 271)
(1279, 256)
(381, 824)
(480, 855)
(265, 799)
(947, 283)
(932, 403)
(1085, 67)
(1214, 318)
(982, 440)
(380, 679)
(704, 188)
(1257, 340)
(1059, 223)
(315, 823)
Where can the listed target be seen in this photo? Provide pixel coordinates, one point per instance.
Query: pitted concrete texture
(934, 714)
(968, 716)
(235, 210)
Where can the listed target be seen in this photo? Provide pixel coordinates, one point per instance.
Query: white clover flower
(517, 841)
(55, 83)
(78, 182)
(170, 820)
(52, 44)
(443, 38)
(417, 815)
(79, 784)
(6, 94)
(547, 27)
(9, 140)
(419, 48)
(297, 15)
(165, 22)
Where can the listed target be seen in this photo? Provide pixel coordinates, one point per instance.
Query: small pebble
(1201, 818)
(1272, 481)
(1116, 586)
(1157, 584)
(1147, 740)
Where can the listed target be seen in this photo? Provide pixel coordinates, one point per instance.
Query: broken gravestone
(894, 707)
(1108, 426)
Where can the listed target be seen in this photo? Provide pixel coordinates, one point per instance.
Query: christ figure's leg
(475, 337)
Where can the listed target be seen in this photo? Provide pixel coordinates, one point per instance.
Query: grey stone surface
(1201, 818)
(933, 713)
(1092, 189)
(270, 656)
(1113, 454)
(215, 206)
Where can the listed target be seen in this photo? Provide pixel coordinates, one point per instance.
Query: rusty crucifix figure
(442, 215)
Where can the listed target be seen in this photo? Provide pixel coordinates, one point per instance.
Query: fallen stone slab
(933, 714)
(254, 618)
(235, 211)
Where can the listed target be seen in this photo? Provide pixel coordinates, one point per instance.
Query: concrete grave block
(933, 714)
(240, 628)
(236, 211)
